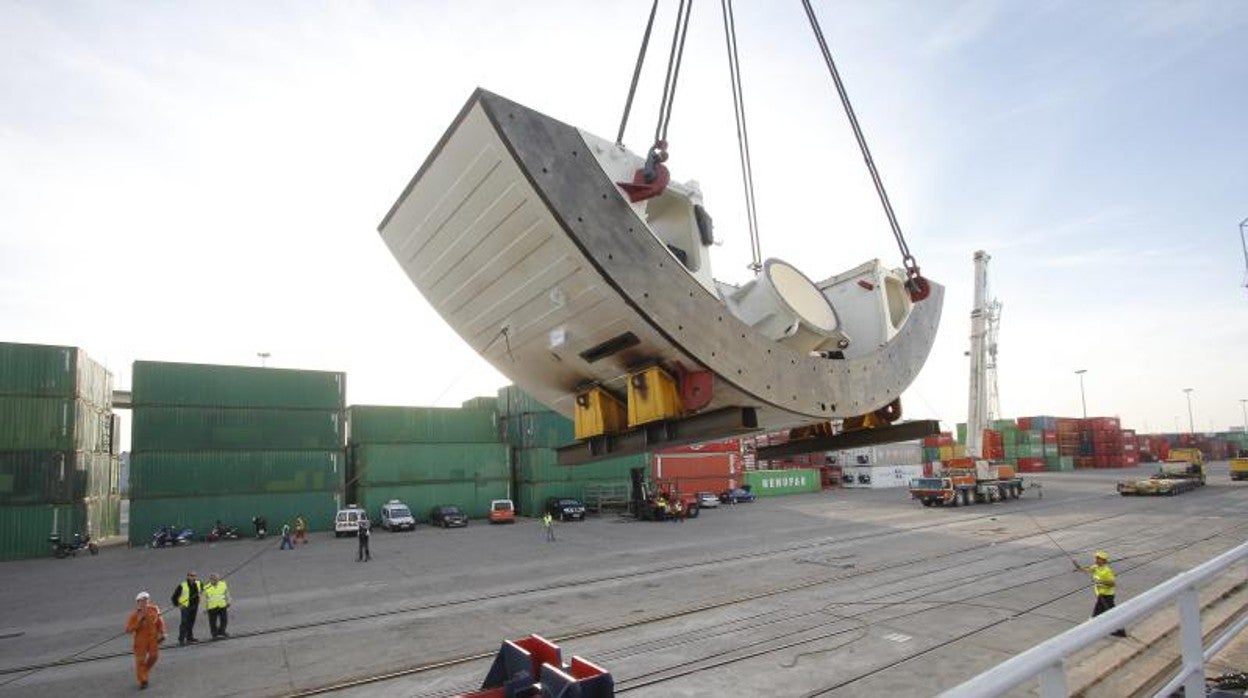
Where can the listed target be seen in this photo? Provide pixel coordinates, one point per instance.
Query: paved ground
(846, 593)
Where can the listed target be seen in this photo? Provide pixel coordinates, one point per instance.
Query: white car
(347, 521)
(397, 516)
(708, 500)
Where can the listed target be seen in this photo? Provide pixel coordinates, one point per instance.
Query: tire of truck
(1016, 491)
(967, 497)
(693, 511)
(953, 502)
(926, 502)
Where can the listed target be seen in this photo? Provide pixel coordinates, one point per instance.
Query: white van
(397, 516)
(347, 521)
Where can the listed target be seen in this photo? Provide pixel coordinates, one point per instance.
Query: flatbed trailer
(983, 484)
(1174, 477)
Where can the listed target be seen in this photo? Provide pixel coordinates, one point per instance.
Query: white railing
(1048, 659)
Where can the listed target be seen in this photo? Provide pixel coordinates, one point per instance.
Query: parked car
(347, 521)
(447, 516)
(397, 516)
(707, 500)
(502, 511)
(736, 494)
(565, 509)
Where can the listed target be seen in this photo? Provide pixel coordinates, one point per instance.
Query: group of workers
(148, 626)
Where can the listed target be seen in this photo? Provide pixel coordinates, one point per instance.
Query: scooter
(222, 532)
(262, 527)
(62, 549)
(165, 536)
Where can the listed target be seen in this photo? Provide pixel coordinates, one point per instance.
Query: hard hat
(1100, 555)
(142, 595)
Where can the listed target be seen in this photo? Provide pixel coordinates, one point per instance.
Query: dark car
(447, 516)
(565, 509)
(736, 494)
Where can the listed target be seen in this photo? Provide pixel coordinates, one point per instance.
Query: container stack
(58, 462)
(885, 465)
(426, 457)
(533, 432)
(1102, 440)
(232, 442)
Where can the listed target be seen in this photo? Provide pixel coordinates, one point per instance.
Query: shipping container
(242, 429)
(377, 424)
(530, 497)
(158, 383)
(541, 465)
(538, 430)
(512, 400)
(36, 370)
(473, 497)
(488, 402)
(158, 474)
(374, 464)
(766, 483)
(726, 446)
(200, 513)
(883, 476)
(698, 472)
(53, 424)
(901, 453)
(103, 515)
(24, 530)
(41, 477)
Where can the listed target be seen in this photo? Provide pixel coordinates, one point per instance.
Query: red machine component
(533, 666)
(696, 387)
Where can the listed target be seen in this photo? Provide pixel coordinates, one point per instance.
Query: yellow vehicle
(1183, 471)
(1239, 465)
(1186, 455)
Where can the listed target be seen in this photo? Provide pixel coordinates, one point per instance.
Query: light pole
(1191, 423)
(1243, 405)
(1082, 396)
(264, 358)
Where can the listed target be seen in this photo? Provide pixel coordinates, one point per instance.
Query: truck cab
(1239, 465)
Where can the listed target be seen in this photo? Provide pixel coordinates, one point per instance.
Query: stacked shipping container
(232, 442)
(58, 462)
(884, 465)
(427, 456)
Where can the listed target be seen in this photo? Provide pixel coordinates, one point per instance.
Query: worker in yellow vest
(186, 599)
(1104, 585)
(217, 600)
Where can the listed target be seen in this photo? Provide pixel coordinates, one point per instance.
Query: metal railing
(1048, 659)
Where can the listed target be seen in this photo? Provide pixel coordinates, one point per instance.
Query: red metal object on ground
(533, 666)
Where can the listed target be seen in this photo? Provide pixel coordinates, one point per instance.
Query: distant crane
(1244, 242)
(984, 403)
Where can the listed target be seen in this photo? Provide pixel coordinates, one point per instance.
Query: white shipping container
(903, 453)
(884, 476)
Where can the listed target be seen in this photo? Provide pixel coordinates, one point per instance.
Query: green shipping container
(538, 430)
(1064, 464)
(374, 464)
(206, 385)
(212, 429)
(512, 400)
(53, 424)
(931, 454)
(157, 474)
(961, 429)
(103, 515)
(488, 402)
(376, 424)
(24, 530)
(767, 483)
(36, 370)
(1004, 425)
(539, 465)
(41, 477)
(200, 513)
(473, 497)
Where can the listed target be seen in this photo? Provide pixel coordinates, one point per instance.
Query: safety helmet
(1100, 555)
(142, 595)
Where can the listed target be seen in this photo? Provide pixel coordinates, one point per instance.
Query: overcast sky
(203, 181)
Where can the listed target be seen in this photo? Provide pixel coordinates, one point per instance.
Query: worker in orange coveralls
(149, 631)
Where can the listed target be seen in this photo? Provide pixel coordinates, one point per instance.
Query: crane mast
(981, 404)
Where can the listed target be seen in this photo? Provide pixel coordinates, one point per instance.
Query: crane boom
(977, 403)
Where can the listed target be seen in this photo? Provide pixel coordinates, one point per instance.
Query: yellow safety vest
(184, 599)
(1103, 580)
(216, 595)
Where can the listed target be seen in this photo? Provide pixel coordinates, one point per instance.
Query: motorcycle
(61, 549)
(166, 536)
(262, 527)
(222, 532)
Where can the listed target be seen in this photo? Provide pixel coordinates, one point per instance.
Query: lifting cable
(641, 59)
(915, 282)
(743, 137)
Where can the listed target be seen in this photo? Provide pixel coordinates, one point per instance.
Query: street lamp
(1191, 423)
(264, 358)
(1082, 397)
(1243, 405)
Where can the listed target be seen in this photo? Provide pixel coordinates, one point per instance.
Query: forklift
(652, 501)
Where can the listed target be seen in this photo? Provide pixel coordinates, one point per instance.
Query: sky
(203, 181)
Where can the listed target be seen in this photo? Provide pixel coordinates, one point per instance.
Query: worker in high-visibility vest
(148, 629)
(217, 601)
(1104, 585)
(186, 599)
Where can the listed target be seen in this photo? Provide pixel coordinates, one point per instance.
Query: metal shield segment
(520, 241)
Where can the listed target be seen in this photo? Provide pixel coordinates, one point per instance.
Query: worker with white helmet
(148, 629)
(1104, 585)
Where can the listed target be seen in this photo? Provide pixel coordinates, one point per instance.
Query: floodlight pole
(1083, 398)
(264, 358)
(1191, 423)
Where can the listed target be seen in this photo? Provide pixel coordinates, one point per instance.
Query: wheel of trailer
(954, 502)
(967, 497)
(926, 502)
(693, 511)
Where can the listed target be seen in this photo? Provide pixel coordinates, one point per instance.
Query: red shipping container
(1068, 425)
(1024, 423)
(1050, 437)
(1085, 462)
(960, 463)
(1102, 423)
(729, 446)
(1031, 465)
(1131, 459)
(692, 472)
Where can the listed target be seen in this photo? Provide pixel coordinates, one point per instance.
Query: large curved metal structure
(517, 233)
